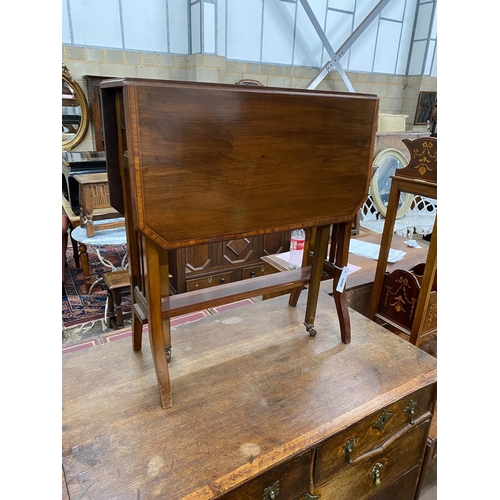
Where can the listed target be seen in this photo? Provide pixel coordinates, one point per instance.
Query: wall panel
(278, 29)
(178, 40)
(406, 32)
(417, 58)
(208, 27)
(145, 25)
(308, 47)
(244, 30)
(66, 33)
(196, 28)
(363, 49)
(96, 23)
(338, 29)
(386, 53)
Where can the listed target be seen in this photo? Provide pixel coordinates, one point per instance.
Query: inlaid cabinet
(204, 266)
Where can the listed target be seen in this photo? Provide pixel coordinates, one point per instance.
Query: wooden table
(194, 163)
(113, 236)
(273, 405)
(359, 284)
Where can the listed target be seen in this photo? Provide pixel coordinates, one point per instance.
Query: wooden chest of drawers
(203, 266)
(262, 411)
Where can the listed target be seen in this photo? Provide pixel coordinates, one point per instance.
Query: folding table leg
(155, 321)
(339, 255)
(320, 248)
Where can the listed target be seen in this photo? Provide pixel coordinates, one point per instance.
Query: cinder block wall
(398, 94)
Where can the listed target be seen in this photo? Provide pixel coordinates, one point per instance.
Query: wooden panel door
(275, 243)
(240, 251)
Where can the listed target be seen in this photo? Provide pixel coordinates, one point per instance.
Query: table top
(115, 236)
(264, 167)
(240, 406)
(366, 274)
(91, 178)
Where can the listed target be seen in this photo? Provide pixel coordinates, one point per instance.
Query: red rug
(80, 307)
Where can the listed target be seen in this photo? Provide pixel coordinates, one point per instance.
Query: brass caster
(311, 330)
(168, 353)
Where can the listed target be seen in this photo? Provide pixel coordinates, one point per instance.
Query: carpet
(79, 307)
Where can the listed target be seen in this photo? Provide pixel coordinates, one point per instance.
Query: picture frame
(425, 106)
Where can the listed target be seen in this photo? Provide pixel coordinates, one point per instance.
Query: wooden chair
(406, 301)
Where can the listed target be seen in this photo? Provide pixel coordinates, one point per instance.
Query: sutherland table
(272, 409)
(194, 163)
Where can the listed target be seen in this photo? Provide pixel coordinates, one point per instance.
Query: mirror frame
(82, 131)
(374, 191)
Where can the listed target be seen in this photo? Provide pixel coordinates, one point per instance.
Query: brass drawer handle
(271, 492)
(375, 473)
(410, 410)
(348, 448)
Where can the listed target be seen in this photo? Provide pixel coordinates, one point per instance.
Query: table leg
(320, 248)
(340, 252)
(76, 254)
(117, 302)
(155, 321)
(84, 259)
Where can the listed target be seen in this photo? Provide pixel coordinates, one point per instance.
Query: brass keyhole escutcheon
(385, 416)
(271, 492)
(410, 410)
(349, 448)
(209, 280)
(375, 473)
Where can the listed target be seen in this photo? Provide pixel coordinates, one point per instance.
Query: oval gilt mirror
(387, 161)
(75, 112)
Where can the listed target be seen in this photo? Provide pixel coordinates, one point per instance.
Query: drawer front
(402, 489)
(291, 479)
(359, 480)
(208, 281)
(253, 272)
(337, 452)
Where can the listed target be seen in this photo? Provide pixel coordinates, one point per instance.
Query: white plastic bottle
(297, 240)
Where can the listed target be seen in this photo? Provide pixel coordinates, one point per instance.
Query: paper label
(296, 244)
(342, 279)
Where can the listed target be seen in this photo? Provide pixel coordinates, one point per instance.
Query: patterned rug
(79, 307)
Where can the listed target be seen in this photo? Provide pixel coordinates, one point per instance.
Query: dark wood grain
(264, 160)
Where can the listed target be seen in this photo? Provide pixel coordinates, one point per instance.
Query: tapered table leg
(341, 256)
(155, 321)
(320, 248)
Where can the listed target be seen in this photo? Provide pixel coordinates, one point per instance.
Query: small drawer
(342, 449)
(290, 478)
(252, 272)
(209, 281)
(359, 480)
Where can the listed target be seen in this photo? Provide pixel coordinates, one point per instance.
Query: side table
(114, 236)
